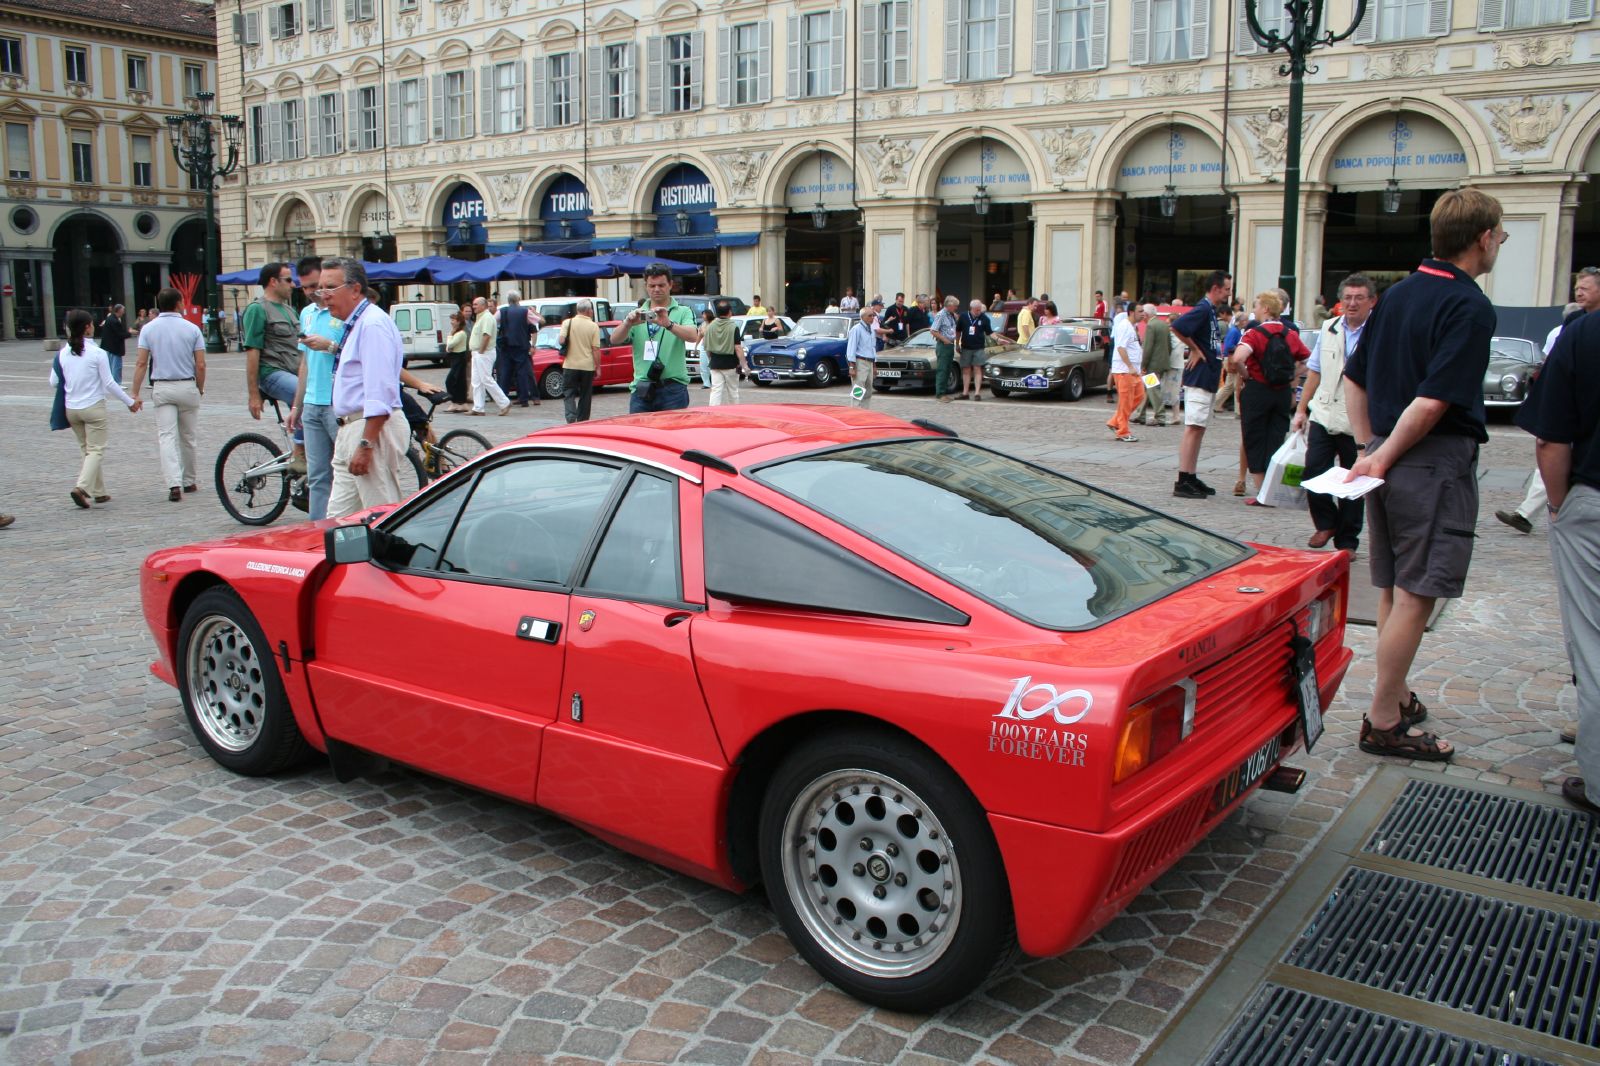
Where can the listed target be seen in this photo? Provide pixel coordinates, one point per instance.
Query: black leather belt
(158, 381)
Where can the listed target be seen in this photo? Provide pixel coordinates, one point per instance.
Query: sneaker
(1515, 521)
(297, 465)
(1207, 489)
(504, 410)
(478, 413)
(1187, 489)
(1127, 438)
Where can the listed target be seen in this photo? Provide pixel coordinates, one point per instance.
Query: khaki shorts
(1421, 520)
(1197, 406)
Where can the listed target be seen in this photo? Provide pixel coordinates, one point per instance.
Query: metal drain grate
(1522, 843)
(1507, 962)
(1286, 1027)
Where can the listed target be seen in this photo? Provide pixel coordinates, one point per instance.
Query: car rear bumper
(1067, 883)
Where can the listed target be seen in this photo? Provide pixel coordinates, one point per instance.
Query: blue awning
(576, 246)
(695, 242)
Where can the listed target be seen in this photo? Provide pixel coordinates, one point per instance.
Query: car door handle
(675, 617)
(538, 629)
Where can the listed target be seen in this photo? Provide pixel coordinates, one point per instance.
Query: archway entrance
(1173, 226)
(373, 222)
(1586, 223)
(985, 236)
(823, 241)
(87, 271)
(1375, 227)
(684, 207)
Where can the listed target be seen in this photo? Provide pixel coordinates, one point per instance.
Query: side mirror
(348, 544)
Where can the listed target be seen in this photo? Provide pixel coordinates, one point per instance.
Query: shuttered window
(19, 152)
(1068, 36)
(612, 82)
(412, 113)
(1270, 17)
(138, 71)
(1401, 20)
(358, 10)
(816, 54)
(76, 63)
(977, 39)
(501, 85)
(886, 45)
(747, 62)
(294, 130)
(453, 115)
(327, 124)
(258, 134)
(561, 89)
(82, 142)
(1521, 14)
(140, 147)
(364, 117)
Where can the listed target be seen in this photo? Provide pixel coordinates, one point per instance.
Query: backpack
(1277, 362)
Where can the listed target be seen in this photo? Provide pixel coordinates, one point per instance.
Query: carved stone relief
(742, 169)
(330, 201)
(890, 158)
(1068, 150)
(1076, 91)
(745, 121)
(410, 197)
(1517, 53)
(1406, 63)
(1170, 83)
(1527, 124)
(616, 179)
(1271, 133)
(978, 98)
(258, 212)
(507, 190)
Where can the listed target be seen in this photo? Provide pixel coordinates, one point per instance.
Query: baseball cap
(877, 301)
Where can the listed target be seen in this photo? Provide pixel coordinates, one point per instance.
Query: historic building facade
(95, 211)
(967, 146)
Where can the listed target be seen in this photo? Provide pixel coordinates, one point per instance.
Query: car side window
(402, 320)
(528, 520)
(424, 318)
(638, 557)
(417, 541)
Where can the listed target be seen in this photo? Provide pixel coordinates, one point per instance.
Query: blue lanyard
(349, 325)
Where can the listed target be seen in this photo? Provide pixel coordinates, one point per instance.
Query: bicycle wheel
(412, 473)
(252, 485)
(459, 447)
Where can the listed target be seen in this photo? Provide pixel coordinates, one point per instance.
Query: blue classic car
(813, 352)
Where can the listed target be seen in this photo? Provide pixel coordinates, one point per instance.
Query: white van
(423, 330)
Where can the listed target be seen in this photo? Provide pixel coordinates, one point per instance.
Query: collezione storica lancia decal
(1010, 733)
(275, 568)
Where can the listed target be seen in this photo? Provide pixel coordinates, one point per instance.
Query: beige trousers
(89, 426)
(177, 405)
(381, 483)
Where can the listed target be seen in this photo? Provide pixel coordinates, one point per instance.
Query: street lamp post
(195, 150)
(1302, 33)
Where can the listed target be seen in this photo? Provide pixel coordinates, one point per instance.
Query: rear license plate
(768, 375)
(1307, 695)
(1249, 772)
(888, 373)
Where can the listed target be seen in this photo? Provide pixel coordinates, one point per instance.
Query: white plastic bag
(1281, 486)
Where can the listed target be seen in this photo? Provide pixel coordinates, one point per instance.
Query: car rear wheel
(1075, 386)
(883, 872)
(553, 383)
(231, 690)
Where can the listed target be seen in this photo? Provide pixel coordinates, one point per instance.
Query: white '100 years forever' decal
(1011, 734)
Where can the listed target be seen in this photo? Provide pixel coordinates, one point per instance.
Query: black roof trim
(715, 462)
(936, 427)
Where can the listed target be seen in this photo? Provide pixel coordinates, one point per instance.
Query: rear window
(424, 318)
(402, 320)
(1041, 546)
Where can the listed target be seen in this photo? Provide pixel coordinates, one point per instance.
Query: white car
(749, 330)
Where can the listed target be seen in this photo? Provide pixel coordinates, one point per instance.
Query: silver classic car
(1513, 362)
(1065, 359)
(916, 362)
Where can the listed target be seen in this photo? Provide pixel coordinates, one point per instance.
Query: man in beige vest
(1330, 438)
(580, 340)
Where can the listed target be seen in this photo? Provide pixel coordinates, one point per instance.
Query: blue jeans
(665, 396)
(280, 385)
(116, 367)
(320, 427)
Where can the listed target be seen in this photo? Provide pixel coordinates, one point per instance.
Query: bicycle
(256, 484)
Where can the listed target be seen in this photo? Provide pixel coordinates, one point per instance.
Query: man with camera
(658, 332)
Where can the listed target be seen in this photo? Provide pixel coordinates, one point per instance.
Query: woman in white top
(86, 375)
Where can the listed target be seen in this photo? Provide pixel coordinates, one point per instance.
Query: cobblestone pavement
(156, 908)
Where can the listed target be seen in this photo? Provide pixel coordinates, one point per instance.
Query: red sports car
(614, 362)
(935, 698)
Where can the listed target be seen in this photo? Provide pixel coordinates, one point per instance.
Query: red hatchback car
(614, 361)
(936, 699)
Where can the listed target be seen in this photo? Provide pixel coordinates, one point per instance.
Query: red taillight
(1153, 727)
(438, 335)
(1327, 615)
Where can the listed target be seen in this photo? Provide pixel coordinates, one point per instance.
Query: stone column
(1526, 273)
(1260, 241)
(1313, 229)
(127, 281)
(1064, 231)
(1566, 233)
(47, 296)
(8, 304)
(1104, 256)
(757, 271)
(898, 250)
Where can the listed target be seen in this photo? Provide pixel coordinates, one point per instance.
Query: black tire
(232, 693)
(553, 383)
(1075, 386)
(1000, 391)
(881, 388)
(255, 501)
(825, 374)
(459, 447)
(761, 383)
(899, 820)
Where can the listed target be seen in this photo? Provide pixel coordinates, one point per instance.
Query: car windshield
(920, 339)
(1048, 549)
(1514, 349)
(1061, 337)
(821, 326)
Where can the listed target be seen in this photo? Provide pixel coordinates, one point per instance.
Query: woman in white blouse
(86, 376)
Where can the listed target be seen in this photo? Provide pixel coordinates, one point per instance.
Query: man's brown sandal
(1400, 744)
(1413, 712)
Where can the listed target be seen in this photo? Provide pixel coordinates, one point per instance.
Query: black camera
(655, 371)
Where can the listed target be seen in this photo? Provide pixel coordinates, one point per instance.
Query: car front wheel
(1075, 386)
(231, 690)
(883, 872)
(824, 374)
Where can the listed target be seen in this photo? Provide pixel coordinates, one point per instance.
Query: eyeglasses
(325, 293)
(286, 277)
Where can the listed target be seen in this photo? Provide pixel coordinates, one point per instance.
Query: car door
(616, 361)
(633, 753)
(446, 652)
(402, 322)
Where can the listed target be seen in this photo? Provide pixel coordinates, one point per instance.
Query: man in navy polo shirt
(1563, 411)
(1414, 396)
(1200, 333)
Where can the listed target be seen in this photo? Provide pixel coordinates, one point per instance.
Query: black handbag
(58, 406)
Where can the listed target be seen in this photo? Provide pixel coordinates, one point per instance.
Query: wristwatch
(363, 443)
